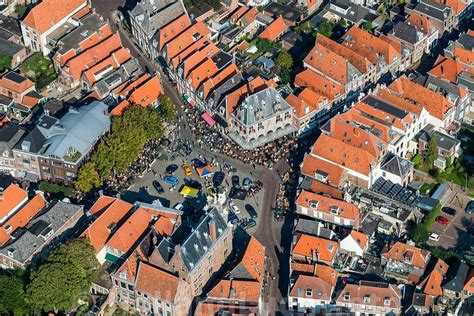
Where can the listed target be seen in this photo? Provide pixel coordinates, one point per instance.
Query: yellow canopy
(188, 191)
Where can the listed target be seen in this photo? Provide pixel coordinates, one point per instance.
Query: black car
(158, 186)
(196, 163)
(171, 169)
(449, 210)
(248, 223)
(235, 181)
(251, 211)
(237, 194)
(218, 178)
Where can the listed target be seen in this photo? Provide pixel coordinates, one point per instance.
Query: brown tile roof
(18, 87)
(202, 42)
(466, 57)
(469, 285)
(249, 16)
(306, 245)
(22, 217)
(422, 23)
(343, 154)
(333, 59)
(90, 57)
(375, 293)
(306, 102)
(48, 13)
(114, 61)
(326, 189)
(311, 164)
(171, 30)
(432, 283)
(164, 226)
(311, 287)
(402, 252)
(274, 30)
(112, 213)
(185, 39)
(360, 238)
(201, 73)
(238, 13)
(380, 114)
(370, 46)
(457, 5)
(324, 204)
(448, 68)
(397, 101)
(11, 198)
(326, 273)
(125, 89)
(353, 115)
(319, 84)
(159, 283)
(435, 103)
(147, 93)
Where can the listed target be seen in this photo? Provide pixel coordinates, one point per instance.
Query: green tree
(431, 152)
(64, 278)
(88, 178)
(304, 28)
(367, 26)
(5, 62)
(12, 294)
(284, 60)
(264, 45)
(343, 23)
(420, 234)
(168, 109)
(326, 28)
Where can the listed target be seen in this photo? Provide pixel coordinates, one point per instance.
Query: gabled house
(432, 284)
(405, 262)
(326, 209)
(455, 280)
(47, 17)
(311, 249)
(355, 243)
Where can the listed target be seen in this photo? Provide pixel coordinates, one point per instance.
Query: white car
(434, 237)
(179, 207)
(234, 207)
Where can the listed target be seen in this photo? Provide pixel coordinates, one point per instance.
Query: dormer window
(309, 292)
(313, 204)
(366, 298)
(386, 301)
(11, 253)
(334, 209)
(347, 296)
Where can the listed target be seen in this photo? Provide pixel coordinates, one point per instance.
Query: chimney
(212, 230)
(442, 69)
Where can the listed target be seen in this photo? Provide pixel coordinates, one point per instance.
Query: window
(122, 285)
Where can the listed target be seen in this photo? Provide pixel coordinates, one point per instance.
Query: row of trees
(56, 285)
(124, 143)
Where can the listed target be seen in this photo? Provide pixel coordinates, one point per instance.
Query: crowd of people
(211, 138)
(122, 180)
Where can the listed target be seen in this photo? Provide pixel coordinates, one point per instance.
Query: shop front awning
(189, 100)
(209, 120)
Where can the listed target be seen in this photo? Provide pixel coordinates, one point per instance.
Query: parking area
(238, 209)
(458, 233)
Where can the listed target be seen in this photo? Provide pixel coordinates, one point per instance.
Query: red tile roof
(308, 101)
(343, 154)
(254, 259)
(360, 238)
(370, 46)
(18, 87)
(422, 23)
(319, 84)
(90, 57)
(333, 59)
(236, 290)
(185, 39)
(198, 57)
(469, 285)
(219, 78)
(435, 103)
(202, 42)
(432, 284)
(156, 282)
(311, 164)
(48, 13)
(114, 61)
(457, 5)
(274, 30)
(448, 68)
(112, 213)
(311, 287)
(324, 204)
(403, 252)
(376, 294)
(306, 245)
(22, 217)
(171, 30)
(11, 198)
(466, 57)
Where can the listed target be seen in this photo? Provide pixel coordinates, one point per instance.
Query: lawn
(39, 69)
(427, 188)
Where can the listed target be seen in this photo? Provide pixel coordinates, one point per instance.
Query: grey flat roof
(286, 12)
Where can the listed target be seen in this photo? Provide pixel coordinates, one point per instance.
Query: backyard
(39, 69)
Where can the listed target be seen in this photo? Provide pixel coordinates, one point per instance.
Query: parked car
(246, 183)
(179, 207)
(171, 180)
(248, 223)
(434, 237)
(196, 163)
(158, 187)
(449, 210)
(470, 207)
(235, 181)
(187, 170)
(232, 218)
(442, 220)
(218, 178)
(249, 208)
(234, 207)
(237, 194)
(171, 169)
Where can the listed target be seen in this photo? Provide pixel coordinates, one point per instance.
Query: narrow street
(275, 236)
